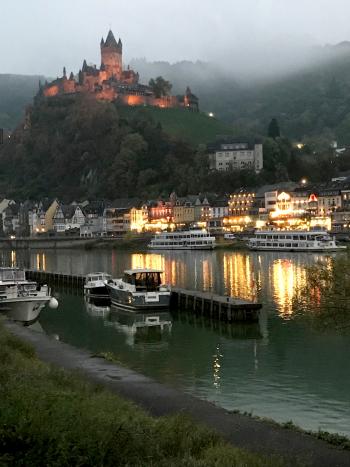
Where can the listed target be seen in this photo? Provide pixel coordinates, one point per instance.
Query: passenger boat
(21, 299)
(293, 240)
(139, 289)
(95, 285)
(183, 240)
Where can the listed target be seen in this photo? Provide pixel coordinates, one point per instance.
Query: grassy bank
(54, 418)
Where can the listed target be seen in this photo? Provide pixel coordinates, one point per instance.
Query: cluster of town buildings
(283, 206)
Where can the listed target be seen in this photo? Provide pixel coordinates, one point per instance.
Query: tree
(160, 86)
(274, 129)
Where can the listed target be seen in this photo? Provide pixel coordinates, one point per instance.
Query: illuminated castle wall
(112, 83)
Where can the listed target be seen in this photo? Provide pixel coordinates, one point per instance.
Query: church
(111, 82)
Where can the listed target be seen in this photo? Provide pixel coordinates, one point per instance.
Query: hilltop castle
(110, 82)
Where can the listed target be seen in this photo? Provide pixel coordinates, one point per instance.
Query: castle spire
(102, 41)
(71, 76)
(110, 40)
(84, 66)
(64, 72)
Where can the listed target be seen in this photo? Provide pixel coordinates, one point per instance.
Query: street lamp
(303, 181)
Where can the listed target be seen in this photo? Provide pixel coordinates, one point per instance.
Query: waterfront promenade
(242, 431)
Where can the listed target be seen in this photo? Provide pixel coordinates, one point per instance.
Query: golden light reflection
(13, 259)
(217, 367)
(287, 277)
(239, 279)
(207, 275)
(40, 261)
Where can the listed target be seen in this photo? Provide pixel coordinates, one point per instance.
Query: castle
(112, 83)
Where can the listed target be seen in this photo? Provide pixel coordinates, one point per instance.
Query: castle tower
(111, 56)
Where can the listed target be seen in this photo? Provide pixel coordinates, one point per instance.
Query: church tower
(111, 56)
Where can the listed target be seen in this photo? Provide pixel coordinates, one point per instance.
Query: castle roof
(111, 42)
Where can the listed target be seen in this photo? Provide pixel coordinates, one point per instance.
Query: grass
(196, 128)
(50, 417)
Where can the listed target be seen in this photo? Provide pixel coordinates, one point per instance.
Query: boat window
(149, 281)
(275, 244)
(282, 236)
(302, 237)
(288, 237)
(295, 245)
(288, 245)
(269, 237)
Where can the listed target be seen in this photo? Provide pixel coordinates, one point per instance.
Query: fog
(251, 38)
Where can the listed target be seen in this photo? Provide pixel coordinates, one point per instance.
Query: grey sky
(40, 36)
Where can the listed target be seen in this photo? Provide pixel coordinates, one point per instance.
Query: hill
(192, 127)
(16, 91)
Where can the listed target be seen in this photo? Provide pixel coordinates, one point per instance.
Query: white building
(230, 153)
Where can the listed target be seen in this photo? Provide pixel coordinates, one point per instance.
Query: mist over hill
(16, 91)
(310, 96)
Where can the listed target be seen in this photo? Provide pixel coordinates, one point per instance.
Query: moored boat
(183, 240)
(139, 289)
(95, 286)
(21, 299)
(293, 240)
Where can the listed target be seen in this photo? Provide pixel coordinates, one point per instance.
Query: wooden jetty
(217, 307)
(223, 308)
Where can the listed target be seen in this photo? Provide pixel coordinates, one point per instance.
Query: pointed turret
(84, 66)
(110, 40)
(64, 72)
(71, 76)
(102, 42)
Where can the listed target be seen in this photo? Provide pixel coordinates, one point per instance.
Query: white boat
(293, 240)
(139, 289)
(95, 285)
(21, 299)
(183, 240)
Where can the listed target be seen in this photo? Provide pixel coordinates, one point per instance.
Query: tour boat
(139, 289)
(95, 285)
(293, 240)
(21, 299)
(183, 240)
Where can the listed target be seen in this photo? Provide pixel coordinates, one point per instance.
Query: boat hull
(170, 247)
(24, 309)
(127, 300)
(96, 292)
(304, 250)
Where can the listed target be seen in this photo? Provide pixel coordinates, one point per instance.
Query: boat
(139, 289)
(293, 240)
(21, 299)
(95, 286)
(183, 240)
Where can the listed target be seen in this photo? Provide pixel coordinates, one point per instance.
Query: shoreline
(258, 436)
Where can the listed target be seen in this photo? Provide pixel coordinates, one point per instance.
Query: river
(283, 368)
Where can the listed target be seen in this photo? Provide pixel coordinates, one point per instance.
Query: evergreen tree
(274, 129)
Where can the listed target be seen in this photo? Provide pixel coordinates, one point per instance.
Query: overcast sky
(40, 36)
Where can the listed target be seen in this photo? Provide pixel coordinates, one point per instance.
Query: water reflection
(253, 276)
(150, 330)
(217, 367)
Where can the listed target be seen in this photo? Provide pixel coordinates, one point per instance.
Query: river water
(283, 368)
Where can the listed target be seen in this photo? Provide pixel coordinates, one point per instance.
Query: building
(111, 82)
(241, 203)
(183, 213)
(228, 153)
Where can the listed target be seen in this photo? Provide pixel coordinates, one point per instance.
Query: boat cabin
(144, 279)
(97, 276)
(12, 275)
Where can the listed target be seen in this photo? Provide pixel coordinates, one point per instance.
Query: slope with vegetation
(53, 418)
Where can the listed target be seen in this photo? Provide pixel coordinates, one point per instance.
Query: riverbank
(243, 432)
(51, 416)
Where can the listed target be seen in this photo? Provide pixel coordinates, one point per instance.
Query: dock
(207, 304)
(223, 308)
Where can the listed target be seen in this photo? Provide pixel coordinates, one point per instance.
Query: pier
(214, 306)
